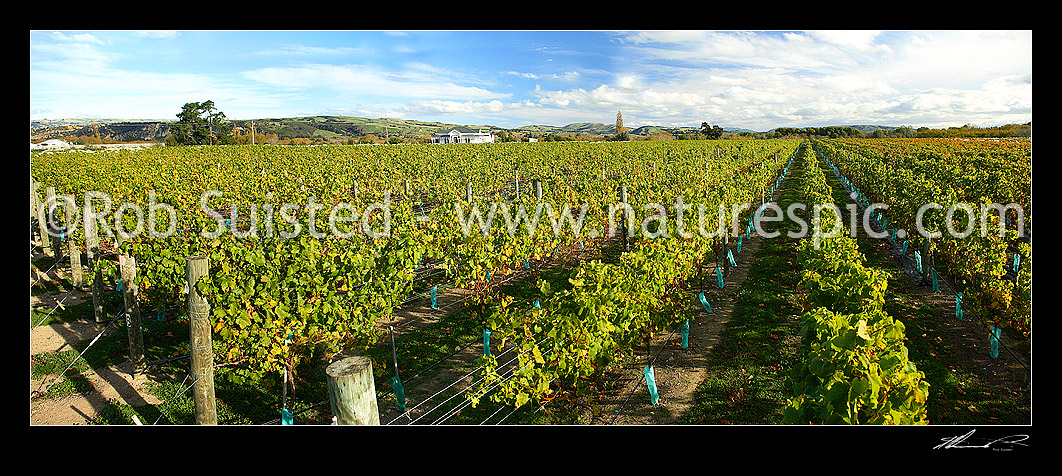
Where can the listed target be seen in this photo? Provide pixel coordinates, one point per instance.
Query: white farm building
(462, 135)
(51, 144)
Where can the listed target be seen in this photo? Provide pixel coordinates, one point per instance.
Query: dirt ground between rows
(108, 383)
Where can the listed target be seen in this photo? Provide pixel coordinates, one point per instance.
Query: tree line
(966, 131)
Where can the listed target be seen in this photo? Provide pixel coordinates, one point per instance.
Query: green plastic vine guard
(400, 392)
(958, 305)
(286, 418)
(119, 287)
(537, 304)
(650, 380)
(936, 286)
(161, 315)
(1017, 262)
(704, 302)
(686, 334)
(486, 342)
(434, 296)
(993, 339)
(739, 244)
(904, 251)
(918, 260)
(731, 256)
(719, 277)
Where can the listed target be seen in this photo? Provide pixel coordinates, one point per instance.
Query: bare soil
(112, 383)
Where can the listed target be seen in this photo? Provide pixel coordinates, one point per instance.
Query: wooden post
(132, 313)
(92, 238)
(42, 224)
(925, 263)
(33, 199)
(75, 251)
(722, 253)
(201, 344)
(468, 192)
(352, 391)
(92, 249)
(538, 189)
(624, 218)
(50, 219)
(97, 298)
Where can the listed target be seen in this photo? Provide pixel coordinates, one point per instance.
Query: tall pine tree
(621, 132)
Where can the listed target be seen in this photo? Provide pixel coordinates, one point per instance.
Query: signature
(964, 441)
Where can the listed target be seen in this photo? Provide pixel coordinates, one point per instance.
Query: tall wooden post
(92, 250)
(726, 246)
(468, 192)
(33, 199)
(352, 391)
(75, 251)
(42, 224)
(132, 313)
(538, 189)
(624, 217)
(926, 265)
(50, 220)
(201, 344)
(97, 298)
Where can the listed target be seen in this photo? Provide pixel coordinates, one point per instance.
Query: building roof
(460, 129)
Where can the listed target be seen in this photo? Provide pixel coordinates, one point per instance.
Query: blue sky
(737, 79)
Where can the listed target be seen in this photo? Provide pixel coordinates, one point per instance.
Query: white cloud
(570, 76)
(755, 49)
(367, 81)
(435, 107)
(305, 50)
(766, 79)
(858, 40)
(522, 75)
(159, 33)
(76, 37)
(627, 81)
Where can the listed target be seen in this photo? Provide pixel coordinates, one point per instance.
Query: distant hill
(326, 127)
(347, 127)
(337, 128)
